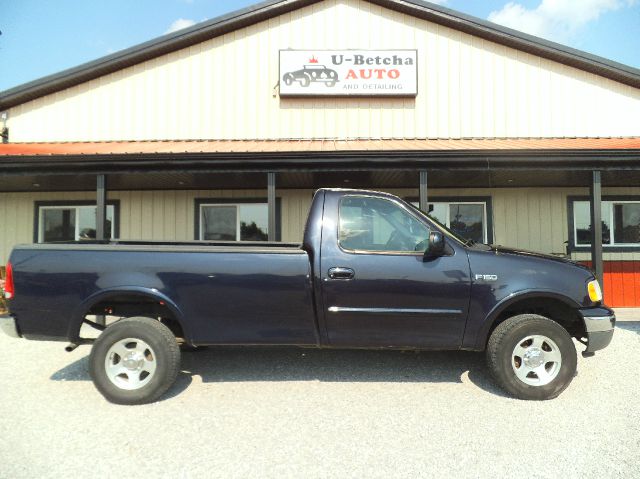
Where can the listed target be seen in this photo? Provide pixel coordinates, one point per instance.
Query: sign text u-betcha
(367, 60)
(348, 73)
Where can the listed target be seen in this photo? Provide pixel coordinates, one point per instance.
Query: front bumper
(599, 324)
(8, 326)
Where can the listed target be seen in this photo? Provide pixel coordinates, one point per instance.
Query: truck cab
(382, 282)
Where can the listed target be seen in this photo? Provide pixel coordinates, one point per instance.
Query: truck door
(377, 288)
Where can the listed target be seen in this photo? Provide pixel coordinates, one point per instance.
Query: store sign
(348, 73)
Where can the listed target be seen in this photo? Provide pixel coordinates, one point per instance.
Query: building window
(620, 223)
(70, 222)
(467, 217)
(232, 220)
(375, 224)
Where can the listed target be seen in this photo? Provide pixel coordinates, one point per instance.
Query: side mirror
(436, 245)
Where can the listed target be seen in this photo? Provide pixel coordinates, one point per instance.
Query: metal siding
(469, 87)
(16, 216)
(531, 218)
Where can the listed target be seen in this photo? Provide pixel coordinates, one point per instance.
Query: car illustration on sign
(312, 73)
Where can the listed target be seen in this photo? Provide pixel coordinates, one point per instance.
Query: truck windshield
(443, 228)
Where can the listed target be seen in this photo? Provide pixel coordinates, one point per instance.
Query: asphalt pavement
(308, 413)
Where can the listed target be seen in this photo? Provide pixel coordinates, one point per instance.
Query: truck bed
(222, 292)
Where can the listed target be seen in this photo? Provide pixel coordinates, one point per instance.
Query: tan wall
(169, 215)
(17, 215)
(224, 89)
(530, 218)
(146, 215)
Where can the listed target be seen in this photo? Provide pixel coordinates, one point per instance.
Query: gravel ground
(293, 413)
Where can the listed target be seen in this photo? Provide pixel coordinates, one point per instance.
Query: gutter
(578, 160)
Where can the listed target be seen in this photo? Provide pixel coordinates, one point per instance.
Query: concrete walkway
(627, 314)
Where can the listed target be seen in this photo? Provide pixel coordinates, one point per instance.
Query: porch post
(596, 225)
(271, 205)
(101, 224)
(101, 208)
(424, 198)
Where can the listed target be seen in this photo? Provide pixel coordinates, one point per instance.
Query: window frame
(386, 253)
(609, 248)
(115, 227)
(488, 209)
(200, 202)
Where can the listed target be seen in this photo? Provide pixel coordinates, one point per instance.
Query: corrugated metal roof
(297, 146)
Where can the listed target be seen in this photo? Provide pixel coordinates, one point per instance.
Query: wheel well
(129, 305)
(551, 308)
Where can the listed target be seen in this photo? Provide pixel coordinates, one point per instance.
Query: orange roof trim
(293, 146)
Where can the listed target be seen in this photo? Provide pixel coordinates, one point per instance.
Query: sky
(41, 37)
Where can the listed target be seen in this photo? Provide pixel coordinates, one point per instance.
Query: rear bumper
(599, 324)
(8, 326)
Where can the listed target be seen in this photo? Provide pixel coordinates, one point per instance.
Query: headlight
(595, 293)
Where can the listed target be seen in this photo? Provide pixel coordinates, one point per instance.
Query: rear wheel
(532, 357)
(134, 361)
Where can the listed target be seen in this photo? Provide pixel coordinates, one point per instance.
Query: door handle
(341, 273)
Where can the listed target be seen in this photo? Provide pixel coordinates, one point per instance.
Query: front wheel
(532, 357)
(134, 361)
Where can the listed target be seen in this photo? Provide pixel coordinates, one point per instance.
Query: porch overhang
(246, 156)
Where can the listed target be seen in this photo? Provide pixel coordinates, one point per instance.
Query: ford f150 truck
(373, 271)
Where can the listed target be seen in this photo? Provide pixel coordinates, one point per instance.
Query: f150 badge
(487, 277)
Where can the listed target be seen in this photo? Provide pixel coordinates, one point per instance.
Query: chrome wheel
(130, 363)
(536, 360)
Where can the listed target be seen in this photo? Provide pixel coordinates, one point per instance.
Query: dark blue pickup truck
(373, 271)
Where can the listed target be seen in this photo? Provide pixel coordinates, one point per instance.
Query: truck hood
(512, 271)
(498, 249)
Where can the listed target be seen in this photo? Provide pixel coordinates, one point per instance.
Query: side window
(233, 222)
(465, 218)
(582, 223)
(376, 224)
(620, 223)
(71, 222)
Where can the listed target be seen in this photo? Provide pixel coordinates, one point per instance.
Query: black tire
(162, 351)
(503, 361)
